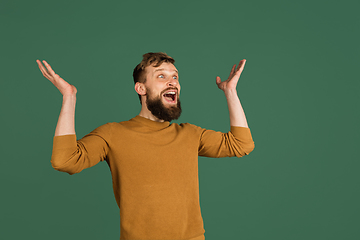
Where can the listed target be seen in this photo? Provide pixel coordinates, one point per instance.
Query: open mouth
(170, 96)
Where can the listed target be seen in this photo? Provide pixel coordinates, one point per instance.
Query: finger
(218, 80)
(43, 70)
(41, 67)
(240, 68)
(51, 72)
(232, 70)
(241, 65)
(44, 73)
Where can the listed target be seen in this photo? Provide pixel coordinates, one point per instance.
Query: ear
(140, 88)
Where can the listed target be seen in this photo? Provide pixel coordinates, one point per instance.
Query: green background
(299, 90)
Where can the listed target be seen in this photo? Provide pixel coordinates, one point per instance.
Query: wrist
(69, 97)
(229, 93)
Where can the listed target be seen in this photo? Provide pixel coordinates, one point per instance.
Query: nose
(172, 83)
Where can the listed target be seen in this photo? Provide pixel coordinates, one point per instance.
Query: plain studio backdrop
(299, 89)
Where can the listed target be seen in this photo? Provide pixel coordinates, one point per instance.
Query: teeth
(170, 93)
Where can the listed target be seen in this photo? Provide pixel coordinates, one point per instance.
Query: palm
(233, 78)
(64, 87)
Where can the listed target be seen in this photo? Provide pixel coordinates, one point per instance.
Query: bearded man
(153, 163)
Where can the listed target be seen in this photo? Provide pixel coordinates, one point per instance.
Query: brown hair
(154, 59)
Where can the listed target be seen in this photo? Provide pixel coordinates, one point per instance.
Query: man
(154, 164)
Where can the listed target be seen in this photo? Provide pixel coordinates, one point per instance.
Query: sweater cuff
(64, 141)
(241, 133)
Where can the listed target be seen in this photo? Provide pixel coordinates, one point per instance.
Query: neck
(145, 112)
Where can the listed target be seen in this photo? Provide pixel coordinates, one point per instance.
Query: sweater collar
(151, 123)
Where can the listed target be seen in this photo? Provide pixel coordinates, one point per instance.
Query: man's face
(162, 91)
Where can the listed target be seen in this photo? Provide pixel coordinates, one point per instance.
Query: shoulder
(108, 128)
(113, 125)
(189, 127)
(105, 127)
(129, 125)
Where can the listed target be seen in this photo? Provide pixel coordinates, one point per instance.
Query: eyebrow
(162, 69)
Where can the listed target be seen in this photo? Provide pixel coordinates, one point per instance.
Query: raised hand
(231, 82)
(64, 87)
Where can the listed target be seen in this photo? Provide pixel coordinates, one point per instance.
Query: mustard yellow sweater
(154, 169)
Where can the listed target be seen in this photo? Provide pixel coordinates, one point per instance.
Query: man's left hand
(230, 83)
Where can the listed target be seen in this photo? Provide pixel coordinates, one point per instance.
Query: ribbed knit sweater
(154, 167)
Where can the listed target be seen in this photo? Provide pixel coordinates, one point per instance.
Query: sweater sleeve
(237, 142)
(72, 156)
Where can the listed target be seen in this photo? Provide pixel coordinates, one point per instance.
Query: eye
(161, 76)
(175, 77)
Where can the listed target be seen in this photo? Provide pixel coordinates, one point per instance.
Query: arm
(66, 121)
(236, 112)
(70, 155)
(238, 141)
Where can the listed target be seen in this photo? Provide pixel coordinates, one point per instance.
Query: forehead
(165, 66)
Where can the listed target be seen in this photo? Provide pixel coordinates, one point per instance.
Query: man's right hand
(66, 122)
(64, 87)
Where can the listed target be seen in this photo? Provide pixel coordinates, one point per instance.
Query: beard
(160, 111)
